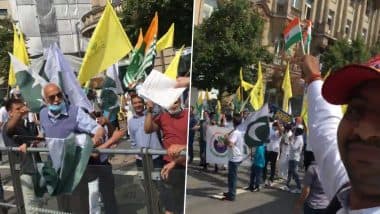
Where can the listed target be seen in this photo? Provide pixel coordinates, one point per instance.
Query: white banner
(216, 151)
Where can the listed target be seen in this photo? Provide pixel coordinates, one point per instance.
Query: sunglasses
(51, 98)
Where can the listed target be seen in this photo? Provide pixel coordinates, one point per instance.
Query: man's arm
(323, 124)
(301, 200)
(149, 125)
(90, 126)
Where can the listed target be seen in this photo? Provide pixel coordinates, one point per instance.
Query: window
(348, 27)
(3, 12)
(296, 3)
(330, 21)
(364, 33)
(308, 10)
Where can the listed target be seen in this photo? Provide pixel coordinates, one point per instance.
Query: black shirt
(25, 160)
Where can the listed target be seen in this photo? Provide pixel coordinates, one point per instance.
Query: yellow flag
(218, 107)
(327, 74)
(108, 44)
(20, 52)
(258, 91)
(139, 40)
(304, 110)
(247, 86)
(166, 41)
(287, 88)
(172, 69)
(200, 98)
(207, 97)
(238, 94)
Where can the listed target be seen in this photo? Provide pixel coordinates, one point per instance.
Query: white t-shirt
(3, 115)
(275, 139)
(296, 148)
(236, 151)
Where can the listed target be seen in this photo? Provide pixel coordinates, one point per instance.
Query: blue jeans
(308, 210)
(256, 176)
(232, 177)
(292, 173)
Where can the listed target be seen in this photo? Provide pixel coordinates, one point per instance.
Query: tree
(6, 44)
(342, 53)
(228, 40)
(138, 14)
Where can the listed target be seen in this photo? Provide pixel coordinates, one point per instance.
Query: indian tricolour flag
(307, 36)
(292, 33)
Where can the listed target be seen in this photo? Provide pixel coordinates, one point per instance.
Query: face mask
(57, 109)
(175, 112)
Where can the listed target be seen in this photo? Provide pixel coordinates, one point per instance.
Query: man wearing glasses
(58, 120)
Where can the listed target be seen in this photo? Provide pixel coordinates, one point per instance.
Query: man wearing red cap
(347, 149)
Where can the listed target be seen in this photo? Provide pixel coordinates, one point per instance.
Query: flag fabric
(199, 104)
(63, 172)
(111, 89)
(20, 52)
(172, 70)
(304, 111)
(287, 88)
(238, 94)
(307, 37)
(258, 91)
(29, 83)
(166, 41)
(59, 71)
(108, 44)
(143, 56)
(139, 40)
(257, 131)
(245, 85)
(292, 33)
(218, 111)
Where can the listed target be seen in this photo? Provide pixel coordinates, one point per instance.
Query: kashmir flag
(143, 55)
(258, 91)
(108, 44)
(139, 40)
(247, 86)
(30, 84)
(166, 41)
(20, 52)
(257, 127)
(172, 70)
(63, 171)
(307, 37)
(287, 88)
(292, 33)
(59, 71)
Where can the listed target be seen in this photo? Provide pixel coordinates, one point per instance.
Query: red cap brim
(338, 86)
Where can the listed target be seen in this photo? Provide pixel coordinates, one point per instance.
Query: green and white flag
(257, 131)
(63, 172)
(137, 59)
(111, 88)
(30, 84)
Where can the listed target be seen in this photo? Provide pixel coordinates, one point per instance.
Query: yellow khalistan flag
(304, 110)
(247, 86)
(20, 52)
(287, 88)
(258, 91)
(238, 94)
(108, 44)
(172, 69)
(166, 41)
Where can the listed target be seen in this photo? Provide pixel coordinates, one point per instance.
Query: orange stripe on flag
(295, 22)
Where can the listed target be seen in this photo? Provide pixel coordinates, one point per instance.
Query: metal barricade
(148, 176)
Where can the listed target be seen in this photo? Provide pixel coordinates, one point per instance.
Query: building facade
(4, 9)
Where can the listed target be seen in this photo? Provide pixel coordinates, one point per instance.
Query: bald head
(52, 93)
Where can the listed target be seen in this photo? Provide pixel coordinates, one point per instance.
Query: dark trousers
(256, 175)
(202, 151)
(307, 159)
(157, 162)
(232, 178)
(292, 173)
(190, 148)
(272, 158)
(308, 210)
(174, 190)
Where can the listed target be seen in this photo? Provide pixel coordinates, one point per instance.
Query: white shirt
(3, 115)
(296, 148)
(323, 121)
(235, 153)
(140, 138)
(275, 139)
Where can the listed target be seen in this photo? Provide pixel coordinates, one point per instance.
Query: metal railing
(146, 153)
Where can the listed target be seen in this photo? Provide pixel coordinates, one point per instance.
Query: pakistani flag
(257, 131)
(59, 71)
(63, 172)
(30, 84)
(111, 89)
